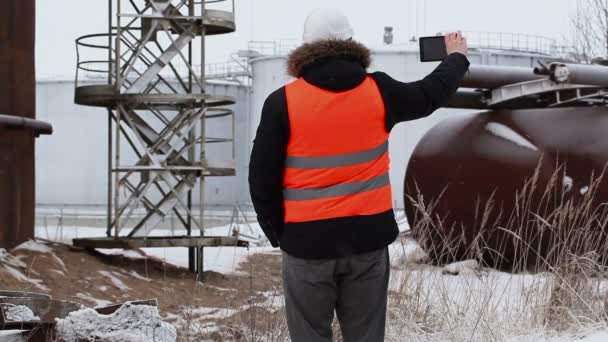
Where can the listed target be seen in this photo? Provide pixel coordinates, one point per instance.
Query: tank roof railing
(280, 47)
(519, 42)
(503, 41)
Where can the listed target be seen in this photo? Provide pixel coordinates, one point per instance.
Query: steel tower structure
(158, 112)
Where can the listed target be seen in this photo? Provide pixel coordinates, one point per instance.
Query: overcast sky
(59, 22)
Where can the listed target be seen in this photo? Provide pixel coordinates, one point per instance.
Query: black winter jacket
(336, 66)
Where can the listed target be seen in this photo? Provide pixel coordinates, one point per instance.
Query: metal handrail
(279, 47)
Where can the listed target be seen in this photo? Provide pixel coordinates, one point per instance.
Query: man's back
(319, 176)
(336, 68)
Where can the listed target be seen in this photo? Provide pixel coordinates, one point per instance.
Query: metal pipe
(592, 75)
(109, 161)
(202, 151)
(491, 77)
(39, 127)
(467, 99)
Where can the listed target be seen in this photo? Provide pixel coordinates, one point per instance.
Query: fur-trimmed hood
(315, 52)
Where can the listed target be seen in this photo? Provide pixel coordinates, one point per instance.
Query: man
(319, 176)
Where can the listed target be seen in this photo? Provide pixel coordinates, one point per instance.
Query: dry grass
(554, 244)
(555, 251)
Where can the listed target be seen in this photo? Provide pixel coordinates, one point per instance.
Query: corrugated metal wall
(17, 97)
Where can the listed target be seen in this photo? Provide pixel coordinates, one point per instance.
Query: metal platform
(152, 242)
(106, 96)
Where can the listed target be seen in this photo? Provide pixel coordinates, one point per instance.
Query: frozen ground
(130, 323)
(459, 302)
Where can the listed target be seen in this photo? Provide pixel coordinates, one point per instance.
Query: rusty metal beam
(17, 98)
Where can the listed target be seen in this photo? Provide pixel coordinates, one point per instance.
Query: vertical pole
(118, 118)
(109, 185)
(606, 14)
(191, 153)
(202, 152)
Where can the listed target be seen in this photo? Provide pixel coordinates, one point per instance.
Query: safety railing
(519, 42)
(92, 53)
(273, 48)
(505, 41)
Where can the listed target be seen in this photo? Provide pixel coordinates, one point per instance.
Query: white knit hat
(326, 23)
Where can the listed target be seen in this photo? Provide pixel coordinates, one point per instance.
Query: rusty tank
(520, 185)
(18, 127)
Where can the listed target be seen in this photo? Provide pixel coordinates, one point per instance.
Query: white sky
(60, 22)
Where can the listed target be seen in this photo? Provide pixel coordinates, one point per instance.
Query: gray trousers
(355, 287)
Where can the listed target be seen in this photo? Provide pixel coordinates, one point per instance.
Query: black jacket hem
(339, 237)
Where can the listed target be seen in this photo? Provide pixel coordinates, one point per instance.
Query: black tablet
(432, 49)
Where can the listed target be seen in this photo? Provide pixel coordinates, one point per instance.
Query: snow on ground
(15, 273)
(98, 302)
(438, 304)
(19, 313)
(34, 246)
(114, 279)
(407, 252)
(130, 323)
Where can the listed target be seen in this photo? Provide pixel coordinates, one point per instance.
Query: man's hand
(455, 42)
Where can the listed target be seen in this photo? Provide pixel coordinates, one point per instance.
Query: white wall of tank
(72, 163)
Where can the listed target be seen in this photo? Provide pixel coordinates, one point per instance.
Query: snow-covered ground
(220, 259)
(459, 302)
(130, 323)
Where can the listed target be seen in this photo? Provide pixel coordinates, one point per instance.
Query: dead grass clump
(558, 236)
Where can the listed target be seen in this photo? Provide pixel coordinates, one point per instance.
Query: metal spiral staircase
(142, 72)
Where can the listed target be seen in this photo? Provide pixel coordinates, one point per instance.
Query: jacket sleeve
(415, 100)
(266, 166)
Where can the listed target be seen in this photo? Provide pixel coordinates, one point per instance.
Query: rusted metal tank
(506, 186)
(18, 127)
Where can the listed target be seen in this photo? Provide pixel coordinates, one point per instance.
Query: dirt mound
(95, 279)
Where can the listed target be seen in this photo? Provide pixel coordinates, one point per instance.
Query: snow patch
(407, 252)
(19, 313)
(507, 133)
(137, 276)
(467, 267)
(127, 253)
(206, 313)
(12, 260)
(18, 275)
(88, 297)
(34, 246)
(115, 281)
(129, 323)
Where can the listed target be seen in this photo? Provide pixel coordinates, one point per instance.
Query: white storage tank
(72, 165)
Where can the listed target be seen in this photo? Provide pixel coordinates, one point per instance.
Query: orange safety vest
(337, 155)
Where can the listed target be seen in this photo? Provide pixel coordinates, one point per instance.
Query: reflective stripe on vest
(337, 155)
